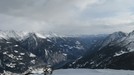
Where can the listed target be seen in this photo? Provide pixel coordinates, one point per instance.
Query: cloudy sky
(67, 17)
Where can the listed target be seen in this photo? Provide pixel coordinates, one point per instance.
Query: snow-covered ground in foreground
(91, 72)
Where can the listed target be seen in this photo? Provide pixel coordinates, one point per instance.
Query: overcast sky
(67, 17)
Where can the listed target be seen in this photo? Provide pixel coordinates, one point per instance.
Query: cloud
(67, 16)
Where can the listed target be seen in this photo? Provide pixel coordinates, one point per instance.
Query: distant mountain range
(116, 51)
(21, 50)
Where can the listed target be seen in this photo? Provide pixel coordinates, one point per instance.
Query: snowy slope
(93, 72)
(89, 72)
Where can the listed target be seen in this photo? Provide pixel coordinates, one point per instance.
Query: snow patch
(64, 54)
(11, 65)
(119, 53)
(4, 52)
(15, 45)
(49, 40)
(11, 56)
(77, 60)
(32, 55)
(15, 51)
(8, 42)
(46, 52)
(33, 61)
(22, 53)
(77, 43)
(40, 35)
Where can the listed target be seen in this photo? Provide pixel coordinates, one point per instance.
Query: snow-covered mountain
(115, 51)
(21, 50)
(13, 34)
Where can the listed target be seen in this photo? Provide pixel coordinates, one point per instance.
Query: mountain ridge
(51, 49)
(113, 53)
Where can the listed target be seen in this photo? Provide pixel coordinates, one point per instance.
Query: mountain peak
(117, 35)
(114, 37)
(131, 33)
(120, 33)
